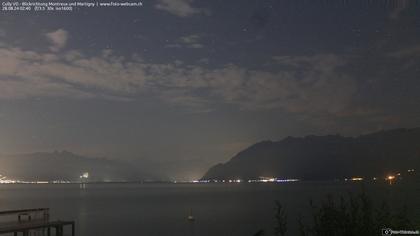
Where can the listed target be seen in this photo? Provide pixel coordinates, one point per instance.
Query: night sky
(185, 84)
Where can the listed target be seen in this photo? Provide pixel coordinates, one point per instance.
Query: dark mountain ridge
(325, 157)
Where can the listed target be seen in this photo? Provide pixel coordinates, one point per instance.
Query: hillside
(325, 157)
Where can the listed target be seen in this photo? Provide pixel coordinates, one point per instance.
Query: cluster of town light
(259, 180)
(85, 176)
(6, 180)
(390, 178)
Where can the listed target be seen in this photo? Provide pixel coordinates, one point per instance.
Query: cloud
(69, 74)
(18, 89)
(307, 87)
(58, 39)
(181, 8)
(300, 84)
(189, 41)
(409, 52)
(311, 84)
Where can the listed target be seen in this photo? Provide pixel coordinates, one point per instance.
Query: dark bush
(356, 215)
(351, 216)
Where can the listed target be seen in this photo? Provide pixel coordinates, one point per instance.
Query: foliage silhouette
(351, 216)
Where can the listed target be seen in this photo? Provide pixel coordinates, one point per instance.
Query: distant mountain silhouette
(64, 165)
(325, 157)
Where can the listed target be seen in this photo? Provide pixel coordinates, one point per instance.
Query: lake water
(161, 209)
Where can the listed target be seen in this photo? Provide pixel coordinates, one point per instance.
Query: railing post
(59, 230)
